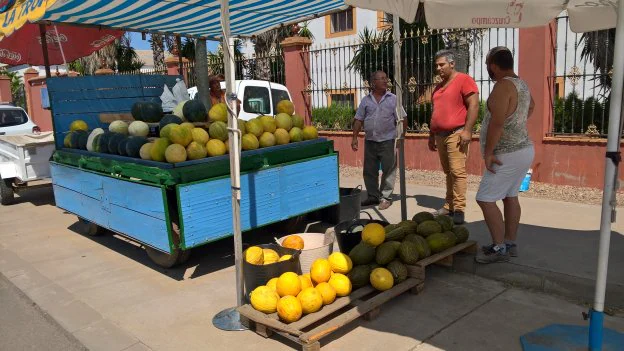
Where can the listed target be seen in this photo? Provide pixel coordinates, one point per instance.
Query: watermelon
(133, 146)
(78, 139)
(147, 111)
(113, 143)
(121, 147)
(102, 142)
(168, 119)
(195, 111)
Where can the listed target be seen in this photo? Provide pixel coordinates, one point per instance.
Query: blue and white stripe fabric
(188, 17)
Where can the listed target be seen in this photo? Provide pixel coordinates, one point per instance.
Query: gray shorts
(508, 177)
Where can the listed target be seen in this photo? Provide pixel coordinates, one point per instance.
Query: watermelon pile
(178, 139)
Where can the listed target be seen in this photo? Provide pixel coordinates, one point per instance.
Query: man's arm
(472, 104)
(498, 104)
(358, 122)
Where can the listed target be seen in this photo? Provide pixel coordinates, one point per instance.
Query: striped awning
(198, 18)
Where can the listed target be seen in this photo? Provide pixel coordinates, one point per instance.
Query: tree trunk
(201, 72)
(158, 49)
(263, 68)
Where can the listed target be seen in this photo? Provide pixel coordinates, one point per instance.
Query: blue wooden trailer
(172, 208)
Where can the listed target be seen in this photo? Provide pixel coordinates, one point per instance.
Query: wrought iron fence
(339, 71)
(260, 67)
(581, 81)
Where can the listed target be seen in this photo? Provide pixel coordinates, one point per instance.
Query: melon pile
(293, 296)
(179, 139)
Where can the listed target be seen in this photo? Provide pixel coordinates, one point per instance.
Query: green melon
(249, 142)
(268, 124)
(283, 121)
(242, 126)
(200, 135)
(439, 242)
(147, 111)
(397, 233)
(362, 254)
(285, 106)
(446, 222)
(398, 270)
(195, 111)
(385, 253)
(408, 252)
(427, 228)
(180, 135)
(281, 136)
(297, 121)
(157, 152)
(359, 276)
(296, 134)
(195, 151)
(421, 245)
(310, 133)
(218, 112)
(175, 153)
(134, 145)
(218, 130)
(164, 132)
(423, 216)
(461, 233)
(267, 140)
(254, 127)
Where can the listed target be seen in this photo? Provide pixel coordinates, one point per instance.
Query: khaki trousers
(453, 160)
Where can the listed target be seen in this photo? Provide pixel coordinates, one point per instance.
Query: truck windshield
(257, 100)
(12, 117)
(279, 95)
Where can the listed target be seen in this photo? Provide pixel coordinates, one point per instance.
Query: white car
(259, 97)
(14, 121)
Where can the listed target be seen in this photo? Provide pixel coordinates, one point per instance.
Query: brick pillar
(535, 65)
(5, 89)
(40, 116)
(28, 75)
(297, 69)
(173, 67)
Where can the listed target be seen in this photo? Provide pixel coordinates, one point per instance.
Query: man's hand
(465, 137)
(354, 144)
(490, 161)
(432, 143)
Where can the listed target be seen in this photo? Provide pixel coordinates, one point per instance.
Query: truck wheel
(176, 257)
(90, 228)
(6, 191)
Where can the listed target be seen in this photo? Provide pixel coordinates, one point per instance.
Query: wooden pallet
(364, 302)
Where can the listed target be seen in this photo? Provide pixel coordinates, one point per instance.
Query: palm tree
(265, 46)
(598, 48)
(118, 56)
(17, 88)
(157, 42)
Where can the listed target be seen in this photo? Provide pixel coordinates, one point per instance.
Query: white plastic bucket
(315, 245)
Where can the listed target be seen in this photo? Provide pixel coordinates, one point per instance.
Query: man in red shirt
(455, 111)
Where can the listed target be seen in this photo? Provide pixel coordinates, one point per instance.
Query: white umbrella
(584, 16)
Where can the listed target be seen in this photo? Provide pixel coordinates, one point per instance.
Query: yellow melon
(320, 271)
(264, 299)
(289, 309)
(288, 284)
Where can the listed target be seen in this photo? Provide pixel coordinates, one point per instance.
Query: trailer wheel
(7, 194)
(90, 228)
(176, 257)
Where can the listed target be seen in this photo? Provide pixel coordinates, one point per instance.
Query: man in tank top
(507, 152)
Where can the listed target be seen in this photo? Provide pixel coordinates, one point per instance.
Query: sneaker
(371, 201)
(384, 204)
(492, 255)
(442, 212)
(458, 217)
(512, 249)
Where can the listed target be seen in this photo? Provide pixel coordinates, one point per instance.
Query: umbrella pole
(610, 184)
(399, 90)
(229, 319)
(44, 48)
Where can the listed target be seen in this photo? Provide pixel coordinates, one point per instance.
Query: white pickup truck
(259, 97)
(24, 153)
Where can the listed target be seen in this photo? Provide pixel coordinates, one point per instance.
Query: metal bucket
(256, 275)
(347, 234)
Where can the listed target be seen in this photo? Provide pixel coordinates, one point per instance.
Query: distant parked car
(259, 97)
(14, 121)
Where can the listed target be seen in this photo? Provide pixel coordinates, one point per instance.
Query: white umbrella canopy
(585, 16)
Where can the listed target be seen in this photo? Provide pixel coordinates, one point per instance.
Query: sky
(140, 44)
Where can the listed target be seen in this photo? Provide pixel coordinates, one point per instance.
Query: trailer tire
(176, 257)
(7, 195)
(90, 228)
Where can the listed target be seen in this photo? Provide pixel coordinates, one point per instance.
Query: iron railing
(580, 86)
(339, 71)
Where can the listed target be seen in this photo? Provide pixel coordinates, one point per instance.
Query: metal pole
(229, 319)
(399, 111)
(610, 183)
(44, 47)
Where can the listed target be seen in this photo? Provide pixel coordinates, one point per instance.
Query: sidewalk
(558, 243)
(107, 293)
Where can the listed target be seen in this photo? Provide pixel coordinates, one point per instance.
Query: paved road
(24, 326)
